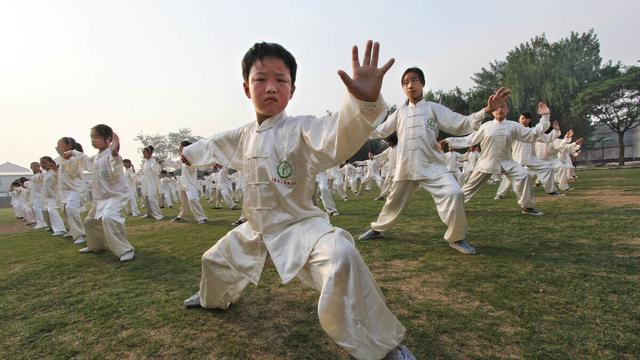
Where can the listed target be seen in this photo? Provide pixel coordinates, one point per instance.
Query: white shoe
(67, 235)
(193, 301)
(334, 213)
(370, 235)
(38, 227)
(401, 352)
(498, 197)
(463, 246)
(202, 221)
(80, 240)
(58, 233)
(532, 211)
(126, 256)
(84, 250)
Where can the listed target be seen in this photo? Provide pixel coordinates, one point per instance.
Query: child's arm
(223, 148)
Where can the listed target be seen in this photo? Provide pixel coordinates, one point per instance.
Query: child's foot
(370, 235)
(400, 353)
(532, 211)
(80, 240)
(463, 246)
(84, 250)
(193, 301)
(126, 256)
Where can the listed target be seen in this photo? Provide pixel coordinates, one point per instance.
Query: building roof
(12, 169)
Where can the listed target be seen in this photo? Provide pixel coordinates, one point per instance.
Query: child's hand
(67, 154)
(115, 144)
(543, 109)
(367, 78)
(497, 100)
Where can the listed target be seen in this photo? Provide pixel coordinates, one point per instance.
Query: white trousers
(190, 203)
(38, 211)
(105, 226)
(339, 189)
(561, 174)
(366, 182)
(73, 209)
(55, 220)
(351, 308)
(132, 202)
(325, 196)
(447, 195)
(386, 186)
(522, 185)
(153, 209)
(226, 195)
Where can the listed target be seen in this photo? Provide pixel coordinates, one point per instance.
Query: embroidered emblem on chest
(284, 169)
(431, 122)
(104, 173)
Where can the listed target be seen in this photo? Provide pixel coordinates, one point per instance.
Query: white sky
(156, 66)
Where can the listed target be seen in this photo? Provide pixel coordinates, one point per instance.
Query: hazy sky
(156, 66)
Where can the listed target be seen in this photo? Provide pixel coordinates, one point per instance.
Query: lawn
(564, 285)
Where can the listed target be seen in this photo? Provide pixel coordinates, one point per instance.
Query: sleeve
(220, 148)
(334, 138)
(457, 124)
(117, 166)
(173, 164)
(86, 161)
(466, 141)
(530, 135)
(386, 128)
(547, 138)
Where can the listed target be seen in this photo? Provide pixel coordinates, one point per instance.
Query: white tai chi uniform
(132, 191)
(35, 192)
(451, 159)
(27, 211)
(325, 193)
(15, 202)
(351, 177)
(165, 188)
(419, 163)
(524, 153)
(224, 187)
(72, 189)
(238, 191)
(388, 158)
(338, 182)
(50, 201)
(470, 160)
(105, 221)
(566, 149)
(189, 195)
(279, 160)
(371, 174)
(496, 140)
(151, 187)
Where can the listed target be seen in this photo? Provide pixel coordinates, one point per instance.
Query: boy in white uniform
(105, 221)
(388, 156)
(419, 158)
(50, 195)
(372, 173)
(496, 139)
(189, 195)
(325, 193)
(72, 188)
(36, 195)
(132, 187)
(165, 188)
(279, 156)
(151, 184)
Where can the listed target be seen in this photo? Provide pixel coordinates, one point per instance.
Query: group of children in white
(278, 160)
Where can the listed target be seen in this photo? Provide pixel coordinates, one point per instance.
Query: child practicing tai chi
(151, 184)
(132, 187)
(419, 158)
(189, 195)
(497, 138)
(50, 195)
(279, 156)
(105, 221)
(72, 188)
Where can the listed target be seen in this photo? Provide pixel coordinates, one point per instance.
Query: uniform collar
(271, 122)
(412, 105)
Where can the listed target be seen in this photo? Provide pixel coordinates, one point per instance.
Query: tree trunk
(621, 145)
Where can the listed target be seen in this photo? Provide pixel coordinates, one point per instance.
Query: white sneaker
(202, 221)
(498, 197)
(80, 240)
(463, 246)
(58, 233)
(401, 352)
(38, 227)
(84, 250)
(334, 213)
(193, 301)
(370, 235)
(126, 256)
(67, 235)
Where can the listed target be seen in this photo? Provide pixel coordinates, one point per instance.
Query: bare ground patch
(609, 197)
(16, 227)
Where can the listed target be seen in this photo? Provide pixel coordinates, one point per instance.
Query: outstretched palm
(498, 100)
(543, 109)
(115, 144)
(367, 77)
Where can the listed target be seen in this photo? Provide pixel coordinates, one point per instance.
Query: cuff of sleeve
(370, 110)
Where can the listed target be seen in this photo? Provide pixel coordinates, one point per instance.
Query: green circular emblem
(431, 122)
(284, 169)
(104, 173)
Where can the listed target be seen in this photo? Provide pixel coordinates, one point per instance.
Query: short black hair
(163, 172)
(126, 160)
(185, 143)
(416, 71)
(526, 114)
(149, 149)
(261, 50)
(103, 130)
(47, 159)
(71, 142)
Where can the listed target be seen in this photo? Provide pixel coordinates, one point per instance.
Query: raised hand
(569, 133)
(367, 77)
(497, 100)
(580, 141)
(115, 144)
(67, 154)
(543, 109)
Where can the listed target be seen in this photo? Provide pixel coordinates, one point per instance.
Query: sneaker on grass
(463, 246)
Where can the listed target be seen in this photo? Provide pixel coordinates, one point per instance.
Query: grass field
(564, 285)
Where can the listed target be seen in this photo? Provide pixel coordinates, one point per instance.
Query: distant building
(603, 145)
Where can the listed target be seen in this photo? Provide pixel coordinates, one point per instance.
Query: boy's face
(35, 167)
(524, 121)
(412, 86)
(501, 113)
(269, 87)
(146, 154)
(127, 164)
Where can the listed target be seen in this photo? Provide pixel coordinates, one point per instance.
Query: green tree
(166, 146)
(613, 101)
